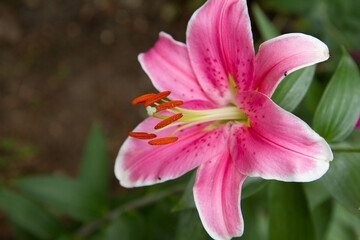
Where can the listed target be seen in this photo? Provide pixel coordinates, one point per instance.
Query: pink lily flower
(358, 123)
(223, 121)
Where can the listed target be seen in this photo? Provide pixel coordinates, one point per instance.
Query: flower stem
(340, 149)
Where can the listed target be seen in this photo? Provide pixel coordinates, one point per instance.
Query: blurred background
(65, 65)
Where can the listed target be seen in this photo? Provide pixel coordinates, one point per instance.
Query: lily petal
(220, 44)
(140, 164)
(168, 66)
(282, 55)
(217, 196)
(277, 145)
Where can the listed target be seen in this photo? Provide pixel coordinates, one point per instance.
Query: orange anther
(168, 120)
(163, 141)
(156, 98)
(143, 98)
(142, 135)
(168, 105)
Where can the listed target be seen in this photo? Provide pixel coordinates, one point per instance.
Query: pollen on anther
(142, 135)
(150, 110)
(156, 98)
(168, 105)
(163, 141)
(142, 98)
(168, 120)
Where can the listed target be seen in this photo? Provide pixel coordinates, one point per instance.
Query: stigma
(180, 118)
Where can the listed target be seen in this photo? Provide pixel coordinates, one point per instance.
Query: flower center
(181, 117)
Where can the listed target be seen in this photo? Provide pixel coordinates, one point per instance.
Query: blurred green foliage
(336, 22)
(339, 107)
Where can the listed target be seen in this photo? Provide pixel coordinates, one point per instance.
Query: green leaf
(251, 186)
(320, 205)
(293, 88)
(187, 199)
(339, 107)
(344, 225)
(26, 215)
(311, 99)
(94, 169)
(343, 180)
(125, 227)
(190, 226)
(316, 193)
(354, 139)
(67, 237)
(20, 233)
(345, 217)
(70, 197)
(321, 218)
(352, 143)
(119, 229)
(290, 217)
(255, 213)
(266, 28)
(294, 6)
(339, 231)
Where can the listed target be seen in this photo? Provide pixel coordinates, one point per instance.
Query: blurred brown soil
(65, 64)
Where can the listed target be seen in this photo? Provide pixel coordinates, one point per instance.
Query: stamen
(182, 118)
(168, 105)
(168, 120)
(163, 141)
(142, 135)
(156, 98)
(142, 98)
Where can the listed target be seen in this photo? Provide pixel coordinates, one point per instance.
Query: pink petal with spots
(220, 43)
(358, 123)
(139, 163)
(277, 145)
(168, 66)
(283, 55)
(217, 195)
